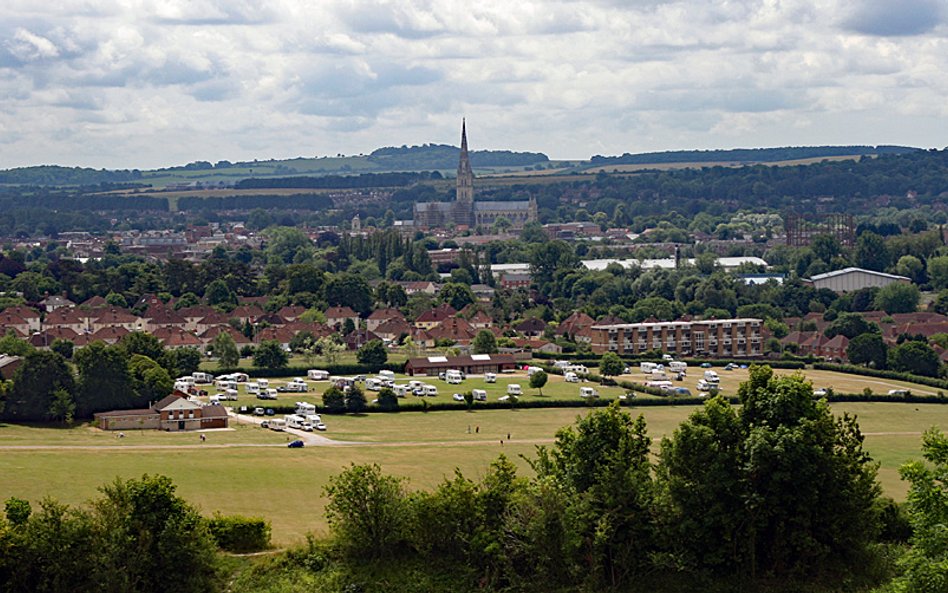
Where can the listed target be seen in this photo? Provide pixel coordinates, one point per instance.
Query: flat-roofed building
(722, 338)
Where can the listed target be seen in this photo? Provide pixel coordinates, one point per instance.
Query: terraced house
(713, 337)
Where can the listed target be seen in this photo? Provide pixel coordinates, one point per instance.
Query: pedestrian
(203, 437)
(501, 442)
(508, 436)
(477, 429)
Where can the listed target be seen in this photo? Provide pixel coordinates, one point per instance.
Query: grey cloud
(895, 18)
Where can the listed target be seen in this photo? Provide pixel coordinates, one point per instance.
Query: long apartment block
(724, 338)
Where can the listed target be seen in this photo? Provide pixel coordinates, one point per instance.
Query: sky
(153, 83)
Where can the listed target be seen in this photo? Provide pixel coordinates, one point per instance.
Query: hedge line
(593, 361)
(334, 369)
(234, 533)
(858, 370)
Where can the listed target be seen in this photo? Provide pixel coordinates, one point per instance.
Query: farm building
(474, 364)
(853, 279)
(172, 413)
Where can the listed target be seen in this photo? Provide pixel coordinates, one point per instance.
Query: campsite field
(250, 471)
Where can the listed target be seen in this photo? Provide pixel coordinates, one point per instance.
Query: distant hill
(56, 175)
(747, 155)
(444, 156)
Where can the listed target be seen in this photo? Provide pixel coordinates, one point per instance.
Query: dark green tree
(142, 343)
(914, 357)
(355, 401)
(349, 290)
(611, 365)
(334, 400)
(850, 325)
(485, 342)
(387, 400)
(868, 349)
(269, 354)
(104, 381)
(225, 349)
(372, 353)
(150, 381)
(457, 295)
(898, 298)
(35, 386)
(537, 380)
(63, 347)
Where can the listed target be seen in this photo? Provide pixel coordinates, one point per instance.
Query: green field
(249, 471)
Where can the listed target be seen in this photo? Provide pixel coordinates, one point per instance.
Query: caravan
(453, 377)
(373, 384)
(387, 375)
(317, 375)
(401, 390)
(571, 377)
(479, 395)
(514, 389)
(586, 392)
(712, 377)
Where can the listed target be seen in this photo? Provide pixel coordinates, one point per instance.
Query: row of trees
(774, 488)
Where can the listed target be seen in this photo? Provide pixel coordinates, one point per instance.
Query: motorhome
(647, 367)
(317, 375)
(294, 421)
(677, 366)
(514, 389)
(303, 408)
(373, 384)
(571, 377)
(712, 377)
(453, 377)
(479, 395)
(264, 383)
(385, 374)
(490, 378)
(202, 378)
(585, 392)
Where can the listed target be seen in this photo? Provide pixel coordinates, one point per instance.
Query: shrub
(234, 533)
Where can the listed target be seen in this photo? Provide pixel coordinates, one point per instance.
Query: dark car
(270, 412)
(297, 444)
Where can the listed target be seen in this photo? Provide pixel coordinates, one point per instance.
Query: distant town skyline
(146, 84)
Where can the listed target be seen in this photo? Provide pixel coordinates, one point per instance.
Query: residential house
(212, 332)
(393, 329)
(336, 317)
(574, 323)
(532, 327)
(9, 365)
(56, 301)
(45, 338)
(111, 318)
(380, 316)
(456, 329)
(432, 318)
(27, 314)
(291, 312)
(177, 337)
(359, 338)
(108, 334)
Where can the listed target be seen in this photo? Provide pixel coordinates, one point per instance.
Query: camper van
(389, 375)
(453, 377)
(676, 366)
(202, 378)
(317, 375)
(303, 408)
(571, 377)
(712, 377)
(294, 421)
(585, 392)
(490, 378)
(514, 389)
(479, 395)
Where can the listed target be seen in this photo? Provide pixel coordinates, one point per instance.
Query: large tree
(485, 342)
(35, 385)
(914, 357)
(898, 298)
(270, 355)
(868, 349)
(225, 349)
(104, 380)
(372, 353)
(349, 290)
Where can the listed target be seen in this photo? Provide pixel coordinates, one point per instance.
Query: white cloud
(123, 83)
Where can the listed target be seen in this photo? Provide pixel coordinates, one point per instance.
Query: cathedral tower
(464, 213)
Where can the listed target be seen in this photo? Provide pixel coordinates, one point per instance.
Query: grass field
(285, 486)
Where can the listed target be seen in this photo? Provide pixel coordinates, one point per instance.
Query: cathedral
(464, 211)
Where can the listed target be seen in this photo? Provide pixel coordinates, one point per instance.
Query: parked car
(821, 392)
(457, 397)
(898, 392)
(320, 426)
(297, 444)
(706, 365)
(270, 412)
(258, 412)
(265, 424)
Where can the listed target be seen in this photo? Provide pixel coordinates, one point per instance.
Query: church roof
(434, 206)
(501, 206)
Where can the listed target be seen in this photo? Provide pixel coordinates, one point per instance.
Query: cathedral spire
(465, 180)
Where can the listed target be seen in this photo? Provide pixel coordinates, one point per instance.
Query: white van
(294, 421)
(389, 375)
(514, 389)
(571, 377)
(712, 377)
(490, 378)
(317, 375)
(453, 377)
(431, 390)
(479, 395)
(588, 392)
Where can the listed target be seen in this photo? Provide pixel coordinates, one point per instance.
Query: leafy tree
(868, 349)
(218, 293)
(142, 343)
(603, 465)
(150, 380)
(63, 347)
(334, 400)
(355, 401)
(914, 357)
(938, 271)
(35, 386)
(372, 353)
(104, 381)
(898, 298)
(116, 300)
(485, 342)
(225, 349)
(457, 295)
(925, 564)
(181, 361)
(387, 400)
(14, 346)
(871, 252)
(611, 365)
(329, 348)
(269, 354)
(63, 407)
(850, 325)
(302, 341)
(368, 512)
(537, 380)
(351, 291)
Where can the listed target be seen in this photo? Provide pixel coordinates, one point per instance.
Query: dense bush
(234, 533)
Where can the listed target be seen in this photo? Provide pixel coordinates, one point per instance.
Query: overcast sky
(142, 83)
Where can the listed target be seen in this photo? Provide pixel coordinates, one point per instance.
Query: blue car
(297, 444)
